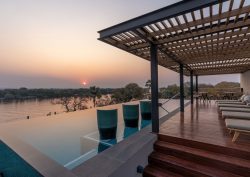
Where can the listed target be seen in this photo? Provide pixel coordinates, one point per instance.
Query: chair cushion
(233, 105)
(228, 101)
(232, 109)
(236, 115)
(232, 102)
(238, 124)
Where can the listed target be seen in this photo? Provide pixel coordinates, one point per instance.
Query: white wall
(245, 81)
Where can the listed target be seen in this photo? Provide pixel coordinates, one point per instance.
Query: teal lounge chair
(131, 115)
(145, 107)
(107, 123)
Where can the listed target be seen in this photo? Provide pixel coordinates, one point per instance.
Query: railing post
(196, 84)
(181, 89)
(154, 88)
(191, 87)
(196, 87)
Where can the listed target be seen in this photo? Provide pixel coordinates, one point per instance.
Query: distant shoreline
(29, 94)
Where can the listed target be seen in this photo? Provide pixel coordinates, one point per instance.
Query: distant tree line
(25, 94)
(216, 90)
(77, 99)
(219, 90)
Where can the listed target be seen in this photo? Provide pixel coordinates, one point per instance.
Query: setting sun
(84, 83)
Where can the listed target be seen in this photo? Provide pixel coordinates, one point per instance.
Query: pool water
(11, 165)
(72, 138)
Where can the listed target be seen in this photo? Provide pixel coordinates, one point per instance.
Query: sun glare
(84, 83)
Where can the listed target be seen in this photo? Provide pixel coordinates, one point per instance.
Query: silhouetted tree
(65, 102)
(95, 93)
(170, 91)
(118, 95)
(79, 103)
(225, 84)
(104, 101)
(131, 91)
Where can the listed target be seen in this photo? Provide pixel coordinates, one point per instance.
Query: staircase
(177, 157)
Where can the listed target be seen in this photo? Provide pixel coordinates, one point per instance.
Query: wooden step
(225, 162)
(186, 168)
(230, 151)
(152, 171)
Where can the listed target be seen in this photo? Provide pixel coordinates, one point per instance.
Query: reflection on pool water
(72, 138)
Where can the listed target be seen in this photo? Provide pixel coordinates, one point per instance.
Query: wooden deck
(202, 122)
(196, 143)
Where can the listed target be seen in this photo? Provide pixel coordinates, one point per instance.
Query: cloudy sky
(53, 44)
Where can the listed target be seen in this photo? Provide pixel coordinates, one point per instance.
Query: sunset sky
(53, 43)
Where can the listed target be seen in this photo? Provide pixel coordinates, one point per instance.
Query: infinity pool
(72, 138)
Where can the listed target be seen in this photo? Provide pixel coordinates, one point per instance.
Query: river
(11, 111)
(33, 108)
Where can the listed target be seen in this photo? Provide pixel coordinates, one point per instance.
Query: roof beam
(158, 15)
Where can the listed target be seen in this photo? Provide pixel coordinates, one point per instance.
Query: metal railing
(165, 102)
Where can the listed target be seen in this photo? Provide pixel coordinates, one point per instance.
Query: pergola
(192, 37)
